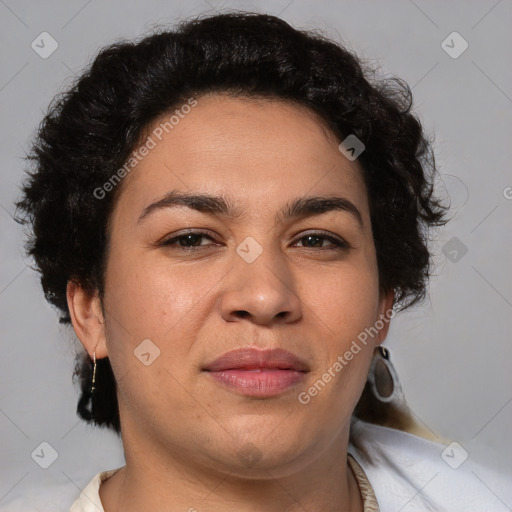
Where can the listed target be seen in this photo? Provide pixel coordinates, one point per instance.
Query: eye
(315, 241)
(187, 240)
(191, 241)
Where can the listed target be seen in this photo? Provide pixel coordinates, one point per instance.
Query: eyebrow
(221, 206)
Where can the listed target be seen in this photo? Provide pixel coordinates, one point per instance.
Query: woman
(230, 214)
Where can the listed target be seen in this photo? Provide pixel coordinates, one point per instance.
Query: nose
(262, 291)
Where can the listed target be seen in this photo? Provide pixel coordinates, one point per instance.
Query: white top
(395, 470)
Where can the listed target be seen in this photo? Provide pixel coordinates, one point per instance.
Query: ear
(87, 319)
(385, 314)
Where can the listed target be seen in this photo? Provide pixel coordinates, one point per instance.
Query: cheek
(343, 313)
(345, 301)
(344, 306)
(150, 298)
(158, 302)
(144, 294)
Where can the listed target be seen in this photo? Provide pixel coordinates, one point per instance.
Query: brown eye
(316, 241)
(189, 240)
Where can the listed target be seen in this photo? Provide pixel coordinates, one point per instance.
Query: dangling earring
(85, 407)
(93, 387)
(383, 377)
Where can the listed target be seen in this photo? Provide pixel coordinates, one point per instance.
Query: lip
(258, 373)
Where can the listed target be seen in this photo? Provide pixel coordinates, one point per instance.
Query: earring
(85, 408)
(93, 387)
(383, 377)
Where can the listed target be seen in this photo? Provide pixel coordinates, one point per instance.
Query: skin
(183, 432)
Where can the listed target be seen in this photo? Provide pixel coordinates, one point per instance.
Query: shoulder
(58, 497)
(89, 498)
(410, 473)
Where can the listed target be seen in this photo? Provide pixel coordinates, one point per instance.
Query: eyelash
(337, 244)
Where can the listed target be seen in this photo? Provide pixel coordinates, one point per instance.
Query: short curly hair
(91, 129)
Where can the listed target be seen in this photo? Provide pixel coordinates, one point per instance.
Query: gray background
(453, 353)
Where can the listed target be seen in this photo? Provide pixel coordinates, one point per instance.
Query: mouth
(258, 373)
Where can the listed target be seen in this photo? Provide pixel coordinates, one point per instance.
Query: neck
(172, 482)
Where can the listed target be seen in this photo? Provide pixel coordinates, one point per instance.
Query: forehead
(261, 151)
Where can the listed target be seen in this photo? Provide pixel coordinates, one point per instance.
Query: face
(198, 279)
